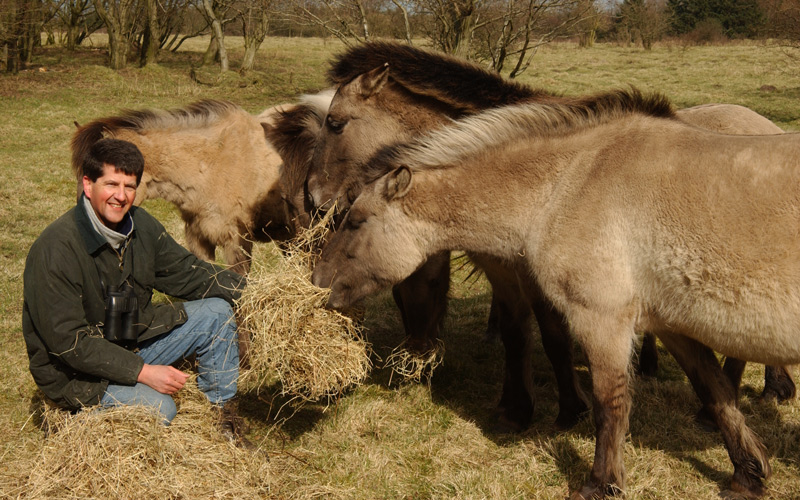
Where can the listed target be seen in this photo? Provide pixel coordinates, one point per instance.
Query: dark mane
(447, 78)
(293, 135)
(195, 115)
(495, 127)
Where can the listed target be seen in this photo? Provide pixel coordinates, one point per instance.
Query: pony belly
(772, 339)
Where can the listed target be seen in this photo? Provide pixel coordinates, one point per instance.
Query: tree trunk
(250, 48)
(255, 25)
(152, 33)
(117, 19)
(216, 27)
(463, 35)
(406, 23)
(211, 52)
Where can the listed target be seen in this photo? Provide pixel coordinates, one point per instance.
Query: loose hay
(125, 452)
(411, 366)
(315, 352)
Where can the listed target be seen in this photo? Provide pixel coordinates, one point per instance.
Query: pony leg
(492, 325)
(237, 254)
(511, 316)
(778, 383)
(648, 357)
(197, 243)
(517, 402)
(718, 394)
(733, 369)
(422, 300)
(557, 342)
(607, 341)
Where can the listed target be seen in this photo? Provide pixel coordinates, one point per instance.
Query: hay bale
(315, 353)
(125, 452)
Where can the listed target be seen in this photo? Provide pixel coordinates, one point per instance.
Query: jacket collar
(93, 240)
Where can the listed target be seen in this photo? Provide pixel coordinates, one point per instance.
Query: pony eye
(354, 222)
(336, 126)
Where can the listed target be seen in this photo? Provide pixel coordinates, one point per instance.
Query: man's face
(111, 195)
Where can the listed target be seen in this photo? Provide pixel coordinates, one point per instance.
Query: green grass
(381, 440)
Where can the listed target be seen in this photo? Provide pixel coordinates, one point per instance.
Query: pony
(626, 219)
(211, 160)
(388, 92)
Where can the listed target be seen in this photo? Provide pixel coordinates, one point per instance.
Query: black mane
(462, 84)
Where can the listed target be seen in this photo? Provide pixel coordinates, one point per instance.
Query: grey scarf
(115, 239)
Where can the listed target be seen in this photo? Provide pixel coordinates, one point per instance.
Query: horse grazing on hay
(625, 219)
(212, 160)
(392, 92)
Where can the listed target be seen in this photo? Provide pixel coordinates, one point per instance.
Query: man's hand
(165, 379)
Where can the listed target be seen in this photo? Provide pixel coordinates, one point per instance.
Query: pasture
(387, 439)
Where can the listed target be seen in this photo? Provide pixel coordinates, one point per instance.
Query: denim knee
(167, 408)
(140, 395)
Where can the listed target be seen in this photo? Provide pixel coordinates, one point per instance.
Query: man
(93, 334)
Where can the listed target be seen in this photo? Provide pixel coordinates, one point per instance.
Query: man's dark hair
(123, 155)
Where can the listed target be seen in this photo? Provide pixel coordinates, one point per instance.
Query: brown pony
(391, 92)
(212, 160)
(625, 219)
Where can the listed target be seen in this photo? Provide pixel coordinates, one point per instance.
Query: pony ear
(371, 82)
(398, 182)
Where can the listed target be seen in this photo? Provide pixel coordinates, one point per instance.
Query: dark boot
(232, 426)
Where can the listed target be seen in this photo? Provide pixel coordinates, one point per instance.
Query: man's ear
(371, 82)
(398, 182)
(87, 186)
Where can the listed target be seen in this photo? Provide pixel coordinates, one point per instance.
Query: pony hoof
(778, 384)
(744, 485)
(737, 495)
(780, 393)
(513, 421)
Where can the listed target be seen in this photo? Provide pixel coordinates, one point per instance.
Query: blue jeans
(210, 334)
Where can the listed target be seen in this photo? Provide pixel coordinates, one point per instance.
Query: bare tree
(215, 12)
(78, 20)
(513, 30)
(175, 29)
(406, 24)
(118, 17)
(644, 20)
(453, 23)
(254, 15)
(151, 38)
(344, 19)
(20, 31)
(587, 28)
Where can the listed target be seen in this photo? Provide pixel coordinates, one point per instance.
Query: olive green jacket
(64, 305)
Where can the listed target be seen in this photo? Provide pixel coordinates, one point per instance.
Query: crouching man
(93, 334)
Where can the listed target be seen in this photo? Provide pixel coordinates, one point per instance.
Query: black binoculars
(122, 314)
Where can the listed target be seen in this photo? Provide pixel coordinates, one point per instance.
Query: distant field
(394, 440)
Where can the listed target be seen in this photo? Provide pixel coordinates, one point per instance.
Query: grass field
(390, 440)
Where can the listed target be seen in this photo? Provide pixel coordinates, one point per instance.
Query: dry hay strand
(125, 452)
(315, 352)
(412, 366)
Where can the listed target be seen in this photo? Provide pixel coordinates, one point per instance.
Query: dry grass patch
(125, 451)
